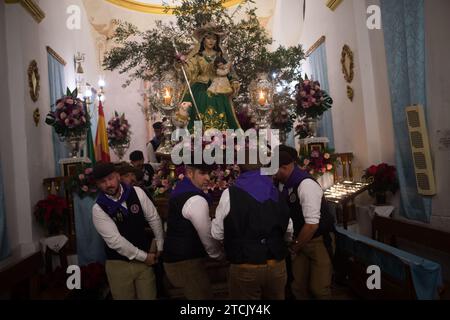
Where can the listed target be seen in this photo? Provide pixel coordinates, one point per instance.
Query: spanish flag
(101, 138)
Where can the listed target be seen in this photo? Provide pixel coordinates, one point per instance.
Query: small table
(342, 194)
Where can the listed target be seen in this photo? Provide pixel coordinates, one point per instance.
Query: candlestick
(167, 98)
(262, 99)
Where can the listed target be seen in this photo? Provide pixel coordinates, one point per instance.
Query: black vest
(254, 231)
(326, 222)
(131, 226)
(182, 241)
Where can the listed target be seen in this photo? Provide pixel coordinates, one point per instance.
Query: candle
(167, 98)
(262, 99)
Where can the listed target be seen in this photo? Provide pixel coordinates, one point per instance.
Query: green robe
(216, 111)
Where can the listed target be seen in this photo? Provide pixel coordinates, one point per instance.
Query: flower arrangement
(283, 115)
(69, 117)
(118, 130)
(220, 178)
(51, 213)
(383, 178)
(312, 101)
(83, 183)
(317, 162)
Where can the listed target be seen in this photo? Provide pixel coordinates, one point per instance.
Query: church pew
(403, 275)
(390, 231)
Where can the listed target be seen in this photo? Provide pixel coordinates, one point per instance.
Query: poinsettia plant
(383, 178)
(51, 213)
(68, 115)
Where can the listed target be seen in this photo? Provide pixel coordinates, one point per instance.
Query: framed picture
(316, 147)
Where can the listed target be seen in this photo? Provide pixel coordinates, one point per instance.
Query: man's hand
(151, 259)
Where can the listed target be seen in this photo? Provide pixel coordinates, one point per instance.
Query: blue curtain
(90, 245)
(404, 34)
(319, 69)
(57, 90)
(4, 247)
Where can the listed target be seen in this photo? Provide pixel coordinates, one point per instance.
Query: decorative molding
(56, 56)
(333, 4)
(347, 55)
(32, 7)
(156, 8)
(36, 116)
(315, 46)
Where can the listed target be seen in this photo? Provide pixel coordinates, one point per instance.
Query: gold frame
(315, 46)
(32, 7)
(348, 53)
(333, 4)
(156, 8)
(34, 70)
(56, 56)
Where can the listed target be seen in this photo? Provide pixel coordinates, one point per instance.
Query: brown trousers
(255, 282)
(192, 277)
(312, 271)
(130, 280)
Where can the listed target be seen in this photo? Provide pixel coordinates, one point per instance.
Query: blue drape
(57, 90)
(319, 69)
(404, 34)
(4, 247)
(90, 245)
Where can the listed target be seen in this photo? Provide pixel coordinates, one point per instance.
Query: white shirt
(310, 196)
(196, 210)
(108, 230)
(222, 211)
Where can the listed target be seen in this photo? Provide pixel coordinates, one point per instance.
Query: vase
(74, 141)
(120, 150)
(380, 198)
(311, 125)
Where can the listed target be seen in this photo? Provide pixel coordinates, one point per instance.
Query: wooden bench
(21, 277)
(390, 230)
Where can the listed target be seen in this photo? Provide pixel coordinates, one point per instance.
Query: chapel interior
(383, 64)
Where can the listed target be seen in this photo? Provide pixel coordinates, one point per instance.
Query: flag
(101, 139)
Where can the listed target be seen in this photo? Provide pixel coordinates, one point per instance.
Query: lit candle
(167, 98)
(262, 99)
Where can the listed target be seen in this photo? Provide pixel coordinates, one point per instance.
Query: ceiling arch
(153, 6)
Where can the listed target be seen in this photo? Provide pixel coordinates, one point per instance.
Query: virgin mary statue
(204, 66)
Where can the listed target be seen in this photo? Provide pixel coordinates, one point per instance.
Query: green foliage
(147, 55)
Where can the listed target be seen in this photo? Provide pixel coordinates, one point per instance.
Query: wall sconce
(101, 92)
(79, 73)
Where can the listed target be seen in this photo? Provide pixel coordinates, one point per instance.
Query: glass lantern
(166, 96)
(261, 91)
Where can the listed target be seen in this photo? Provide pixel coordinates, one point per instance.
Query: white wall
(363, 126)
(437, 25)
(27, 148)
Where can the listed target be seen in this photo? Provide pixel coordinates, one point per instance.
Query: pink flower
(165, 183)
(326, 156)
(306, 162)
(181, 177)
(323, 170)
(69, 101)
(62, 115)
(81, 176)
(315, 154)
(88, 171)
(60, 105)
(329, 167)
(85, 188)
